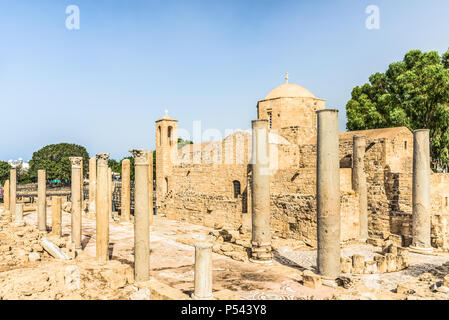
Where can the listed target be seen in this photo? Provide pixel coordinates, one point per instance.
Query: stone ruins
(292, 209)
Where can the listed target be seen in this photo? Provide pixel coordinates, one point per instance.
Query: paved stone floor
(172, 262)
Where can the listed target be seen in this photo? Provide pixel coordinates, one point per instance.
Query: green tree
(182, 143)
(54, 159)
(115, 165)
(4, 171)
(413, 93)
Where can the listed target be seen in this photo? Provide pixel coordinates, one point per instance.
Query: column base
(19, 224)
(261, 261)
(421, 250)
(194, 297)
(332, 283)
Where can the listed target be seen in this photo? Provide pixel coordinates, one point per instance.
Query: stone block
(391, 262)
(389, 247)
(405, 288)
(396, 239)
(446, 281)
(226, 294)
(311, 280)
(381, 263)
(346, 264)
(114, 279)
(377, 242)
(358, 264)
(371, 267)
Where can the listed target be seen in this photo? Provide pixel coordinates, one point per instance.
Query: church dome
(289, 90)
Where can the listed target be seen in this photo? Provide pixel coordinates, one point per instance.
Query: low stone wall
(392, 259)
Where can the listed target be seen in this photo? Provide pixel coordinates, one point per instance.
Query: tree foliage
(182, 142)
(4, 171)
(413, 93)
(54, 159)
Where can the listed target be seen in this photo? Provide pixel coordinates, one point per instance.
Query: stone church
(209, 183)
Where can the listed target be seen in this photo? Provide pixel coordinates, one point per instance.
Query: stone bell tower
(166, 150)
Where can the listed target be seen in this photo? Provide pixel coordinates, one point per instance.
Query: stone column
(82, 186)
(18, 219)
(56, 216)
(6, 197)
(102, 202)
(328, 194)
(359, 182)
(92, 184)
(126, 189)
(12, 193)
(141, 217)
(261, 235)
(110, 187)
(76, 201)
(203, 271)
(421, 192)
(42, 200)
(150, 186)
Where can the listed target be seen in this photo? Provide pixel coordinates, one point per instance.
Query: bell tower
(166, 150)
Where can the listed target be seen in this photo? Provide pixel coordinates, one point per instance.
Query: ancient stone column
(421, 192)
(6, 197)
(141, 217)
(102, 202)
(261, 235)
(18, 219)
(12, 193)
(56, 216)
(126, 189)
(328, 194)
(76, 201)
(150, 186)
(110, 187)
(92, 184)
(41, 200)
(203, 271)
(359, 182)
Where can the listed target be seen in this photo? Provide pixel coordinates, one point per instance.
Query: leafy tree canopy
(54, 159)
(413, 93)
(182, 142)
(4, 171)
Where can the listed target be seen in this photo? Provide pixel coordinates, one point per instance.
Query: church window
(236, 188)
(160, 136)
(405, 145)
(169, 135)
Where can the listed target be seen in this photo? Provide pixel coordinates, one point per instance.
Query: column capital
(102, 159)
(140, 156)
(76, 161)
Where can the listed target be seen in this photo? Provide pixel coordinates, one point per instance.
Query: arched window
(160, 135)
(166, 185)
(169, 131)
(236, 188)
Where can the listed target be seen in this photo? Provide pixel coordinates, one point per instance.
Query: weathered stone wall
(399, 189)
(294, 216)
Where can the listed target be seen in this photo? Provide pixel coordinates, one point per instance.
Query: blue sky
(104, 85)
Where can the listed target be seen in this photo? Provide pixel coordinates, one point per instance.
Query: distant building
(19, 163)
